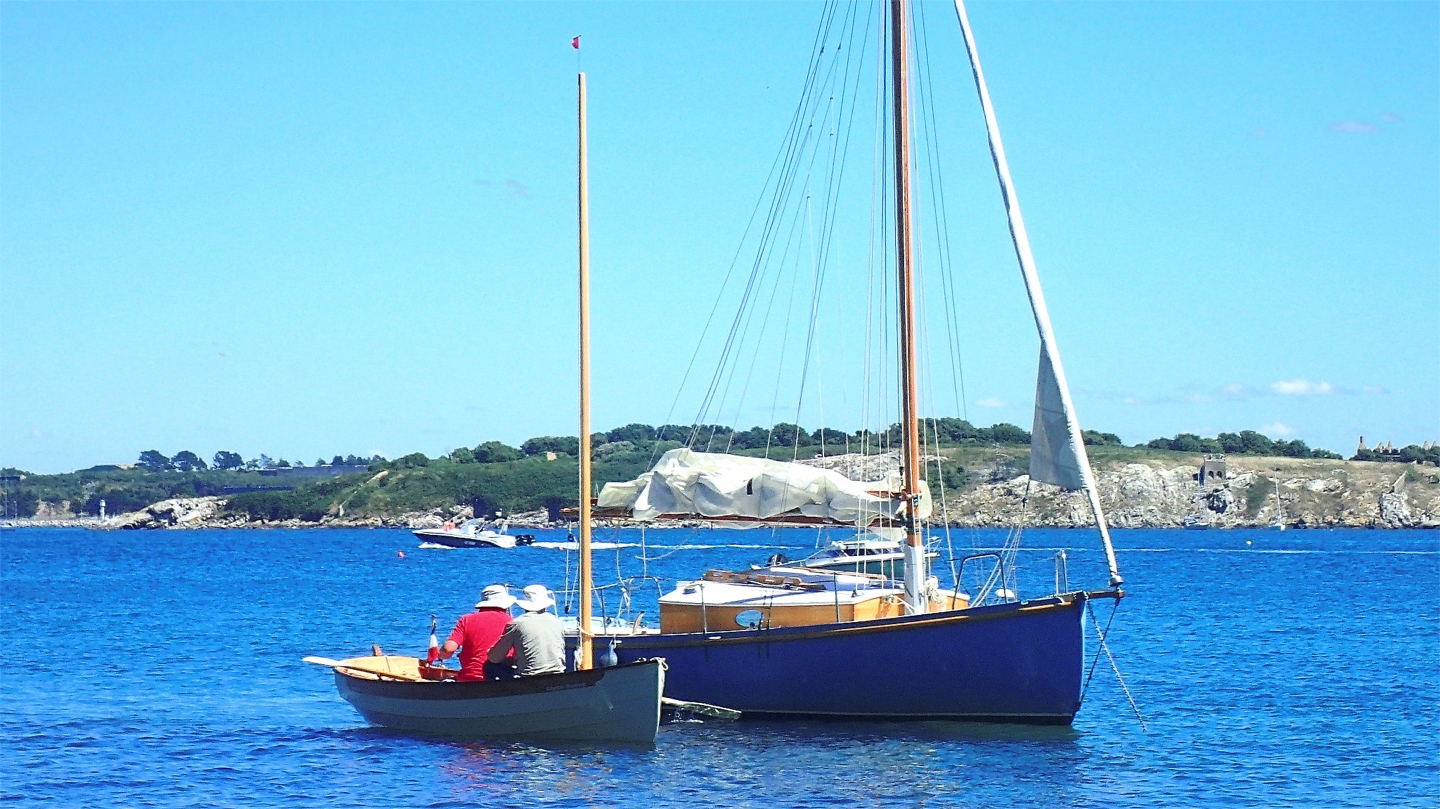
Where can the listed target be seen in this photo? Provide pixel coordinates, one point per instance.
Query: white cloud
(1301, 387)
(1375, 389)
(1391, 118)
(1354, 127)
(990, 402)
(1277, 429)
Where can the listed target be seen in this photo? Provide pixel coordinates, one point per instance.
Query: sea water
(1296, 668)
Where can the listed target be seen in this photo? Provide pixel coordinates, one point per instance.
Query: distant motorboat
(881, 557)
(1193, 523)
(473, 534)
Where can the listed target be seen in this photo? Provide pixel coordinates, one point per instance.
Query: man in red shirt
(475, 633)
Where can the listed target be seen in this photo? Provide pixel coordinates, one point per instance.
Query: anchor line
(1113, 665)
(1096, 659)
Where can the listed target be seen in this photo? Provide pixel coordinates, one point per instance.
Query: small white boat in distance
(473, 534)
(618, 704)
(881, 557)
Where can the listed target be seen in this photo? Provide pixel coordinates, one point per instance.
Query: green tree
(462, 455)
(786, 434)
(152, 460)
(187, 461)
(227, 460)
(1253, 443)
(560, 444)
(632, 432)
(1008, 434)
(414, 460)
(495, 452)
(1099, 439)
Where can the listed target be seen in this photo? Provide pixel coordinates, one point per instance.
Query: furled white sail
(1054, 457)
(1057, 438)
(711, 484)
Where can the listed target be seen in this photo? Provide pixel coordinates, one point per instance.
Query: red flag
(434, 650)
(575, 43)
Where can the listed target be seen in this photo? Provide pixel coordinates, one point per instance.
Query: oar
(333, 664)
(712, 711)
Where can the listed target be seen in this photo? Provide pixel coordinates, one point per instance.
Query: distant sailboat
(1278, 522)
(796, 641)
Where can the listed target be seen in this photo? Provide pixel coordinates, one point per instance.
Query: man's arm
(452, 643)
(503, 646)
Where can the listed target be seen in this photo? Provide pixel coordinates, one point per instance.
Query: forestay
(717, 485)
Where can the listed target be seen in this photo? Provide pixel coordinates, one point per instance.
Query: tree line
(784, 435)
(1245, 442)
(186, 461)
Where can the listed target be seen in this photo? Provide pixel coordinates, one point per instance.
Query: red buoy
(401, 554)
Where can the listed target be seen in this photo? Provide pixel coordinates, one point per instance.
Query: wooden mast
(904, 269)
(584, 637)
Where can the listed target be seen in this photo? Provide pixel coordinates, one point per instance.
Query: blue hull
(1002, 663)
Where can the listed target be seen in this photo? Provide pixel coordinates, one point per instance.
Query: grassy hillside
(542, 471)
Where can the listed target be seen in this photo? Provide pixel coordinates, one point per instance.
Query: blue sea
(1296, 668)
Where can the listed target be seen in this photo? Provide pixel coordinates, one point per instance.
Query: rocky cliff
(1257, 492)
(1149, 493)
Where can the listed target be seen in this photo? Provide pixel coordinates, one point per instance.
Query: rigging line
(829, 82)
(734, 262)
(1113, 665)
(780, 271)
(829, 213)
(778, 210)
(784, 343)
(829, 217)
(809, 341)
(831, 111)
(931, 131)
(757, 270)
(787, 162)
(875, 185)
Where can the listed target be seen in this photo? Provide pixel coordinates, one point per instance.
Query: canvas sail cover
(1054, 458)
(710, 484)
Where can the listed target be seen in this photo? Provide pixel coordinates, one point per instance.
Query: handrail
(989, 582)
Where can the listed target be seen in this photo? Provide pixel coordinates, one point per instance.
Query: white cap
(497, 596)
(536, 599)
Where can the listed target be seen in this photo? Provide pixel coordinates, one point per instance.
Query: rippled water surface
(163, 669)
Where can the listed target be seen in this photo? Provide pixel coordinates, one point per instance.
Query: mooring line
(1094, 661)
(1113, 665)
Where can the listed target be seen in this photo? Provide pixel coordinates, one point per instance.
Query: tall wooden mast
(904, 270)
(585, 661)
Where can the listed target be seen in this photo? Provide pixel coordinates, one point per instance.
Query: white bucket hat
(537, 599)
(497, 596)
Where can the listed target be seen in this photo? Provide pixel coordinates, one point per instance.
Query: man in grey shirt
(537, 637)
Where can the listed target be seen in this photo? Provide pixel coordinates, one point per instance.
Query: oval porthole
(750, 619)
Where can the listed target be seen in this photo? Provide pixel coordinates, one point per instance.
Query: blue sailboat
(787, 641)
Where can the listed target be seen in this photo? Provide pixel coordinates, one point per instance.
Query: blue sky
(308, 229)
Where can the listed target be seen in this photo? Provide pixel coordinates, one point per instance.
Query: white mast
(1065, 461)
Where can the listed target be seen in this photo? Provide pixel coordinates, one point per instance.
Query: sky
(308, 229)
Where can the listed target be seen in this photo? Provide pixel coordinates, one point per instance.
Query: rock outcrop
(1150, 493)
